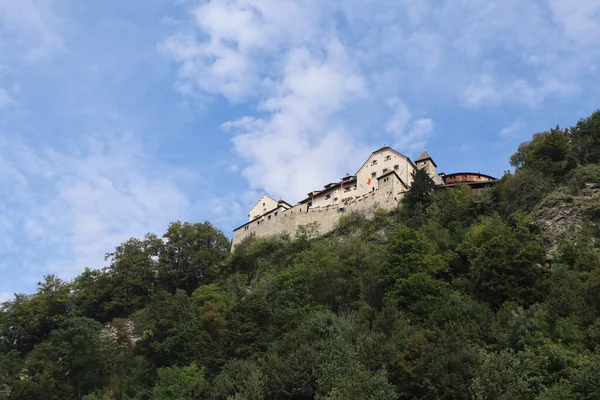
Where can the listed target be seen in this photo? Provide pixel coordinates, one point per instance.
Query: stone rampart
(327, 217)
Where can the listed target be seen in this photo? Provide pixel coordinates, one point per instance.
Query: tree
(132, 273)
(173, 332)
(419, 195)
(586, 139)
(550, 153)
(191, 255)
(28, 320)
(181, 383)
(241, 378)
(506, 261)
(74, 361)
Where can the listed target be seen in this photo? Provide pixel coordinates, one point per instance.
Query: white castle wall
(386, 197)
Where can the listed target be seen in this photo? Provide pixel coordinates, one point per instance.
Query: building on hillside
(267, 205)
(380, 182)
(476, 181)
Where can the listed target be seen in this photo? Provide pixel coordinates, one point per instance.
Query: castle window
(374, 162)
(275, 213)
(327, 197)
(387, 158)
(269, 217)
(385, 170)
(374, 174)
(396, 167)
(257, 222)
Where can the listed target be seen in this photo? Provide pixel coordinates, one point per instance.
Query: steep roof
(424, 157)
(393, 151)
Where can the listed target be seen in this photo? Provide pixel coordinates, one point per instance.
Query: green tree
(242, 379)
(586, 139)
(133, 269)
(506, 261)
(550, 153)
(192, 255)
(420, 194)
(28, 320)
(74, 361)
(173, 332)
(181, 383)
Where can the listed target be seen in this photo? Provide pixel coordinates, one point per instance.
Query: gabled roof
(276, 209)
(424, 157)
(397, 176)
(390, 149)
(330, 187)
(262, 197)
(280, 202)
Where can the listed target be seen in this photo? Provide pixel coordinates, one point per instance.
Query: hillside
(450, 295)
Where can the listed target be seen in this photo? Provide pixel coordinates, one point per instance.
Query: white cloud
(580, 20)
(5, 98)
(71, 207)
(298, 72)
(5, 296)
(317, 76)
(485, 90)
(409, 133)
(512, 129)
(34, 24)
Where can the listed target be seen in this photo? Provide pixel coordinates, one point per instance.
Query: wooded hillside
(451, 296)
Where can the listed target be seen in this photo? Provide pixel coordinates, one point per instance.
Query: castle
(379, 183)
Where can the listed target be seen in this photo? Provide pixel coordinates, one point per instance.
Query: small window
(263, 204)
(374, 174)
(275, 213)
(327, 197)
(385, 170)
(388, 158)
(396, 167)
(269, 217)
(374, 162)
(257, 222)
(335, 199)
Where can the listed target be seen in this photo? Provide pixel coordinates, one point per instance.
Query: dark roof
(424, 157)
(382, 148)
(471, 184)
(260, 216)
(284, 202)
(470, 173)
(329, 187)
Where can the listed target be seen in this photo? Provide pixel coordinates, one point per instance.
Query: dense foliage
(450, 296)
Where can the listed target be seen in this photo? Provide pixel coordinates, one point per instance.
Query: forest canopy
(450, 295)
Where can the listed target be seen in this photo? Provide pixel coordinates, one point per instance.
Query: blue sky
(117, 117)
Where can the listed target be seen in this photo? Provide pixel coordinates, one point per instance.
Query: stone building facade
(380, 182)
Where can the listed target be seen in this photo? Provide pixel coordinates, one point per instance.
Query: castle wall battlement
(327, 217)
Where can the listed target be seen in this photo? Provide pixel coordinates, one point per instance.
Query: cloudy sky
(117, 117)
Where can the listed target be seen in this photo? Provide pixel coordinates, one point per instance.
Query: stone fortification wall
(327, 217)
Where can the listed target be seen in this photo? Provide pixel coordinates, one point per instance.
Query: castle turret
(426, 162)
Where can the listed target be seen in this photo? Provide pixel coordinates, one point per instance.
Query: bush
(582, 176)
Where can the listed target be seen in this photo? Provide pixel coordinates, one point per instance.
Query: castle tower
(426, 162)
